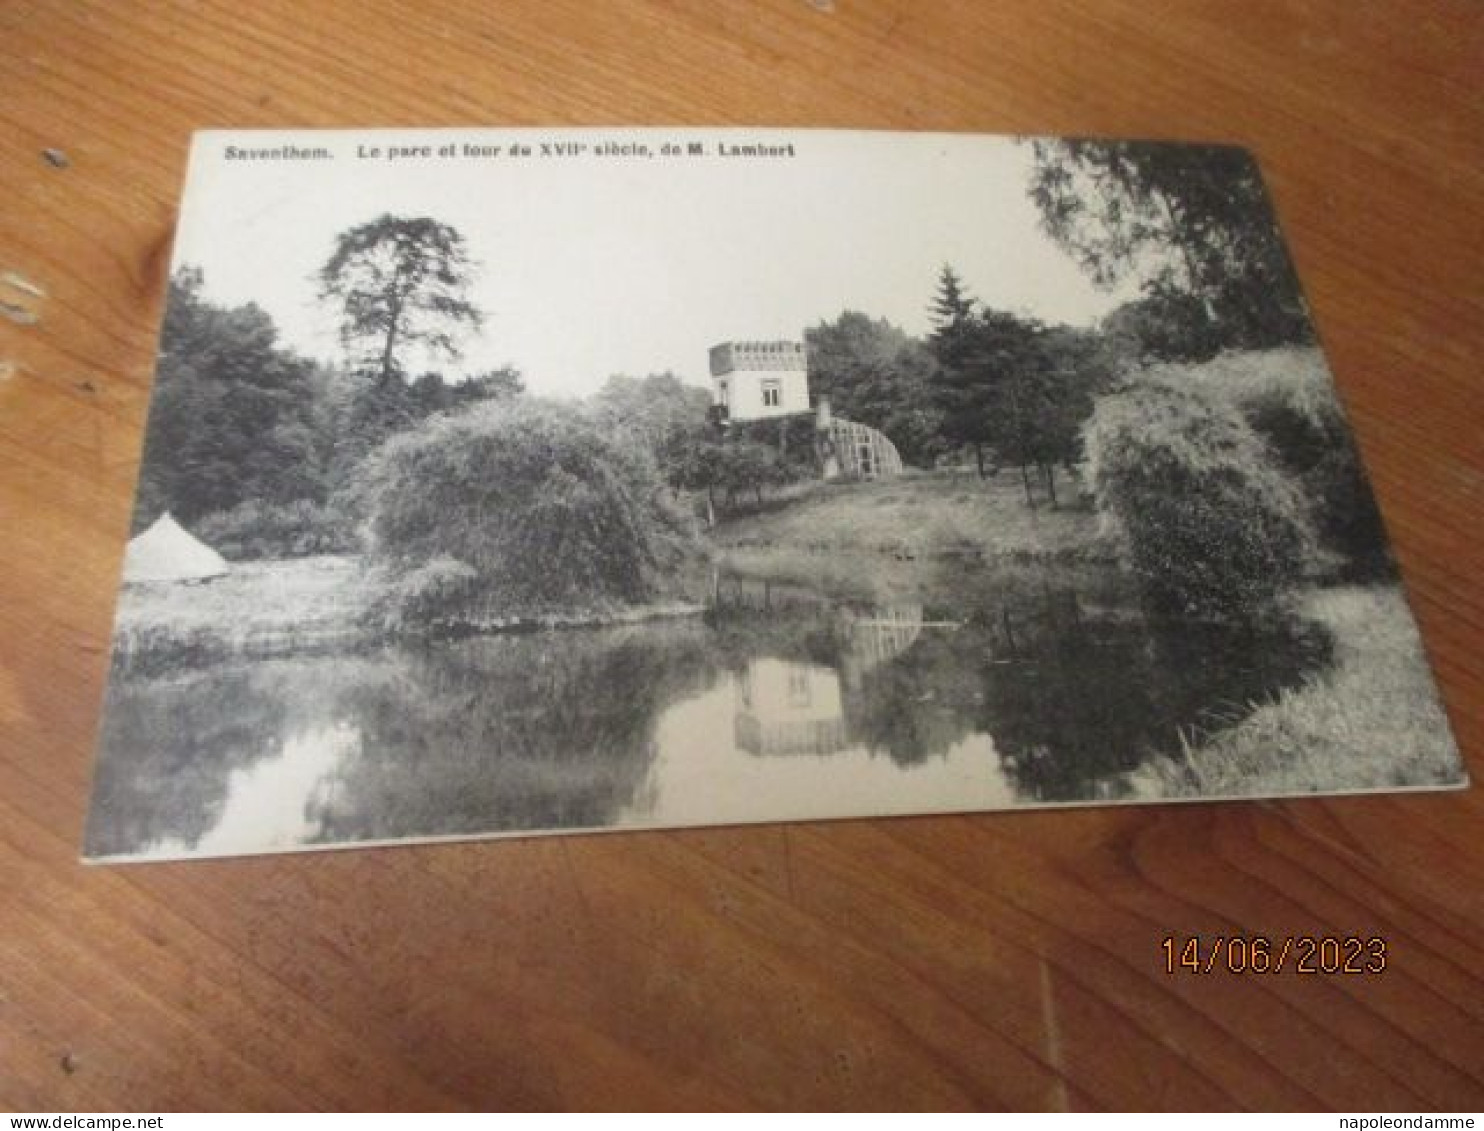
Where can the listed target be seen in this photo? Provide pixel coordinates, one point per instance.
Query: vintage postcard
(506, 482)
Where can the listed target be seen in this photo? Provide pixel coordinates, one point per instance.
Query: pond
(784, 701)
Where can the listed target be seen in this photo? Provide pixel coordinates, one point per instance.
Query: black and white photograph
(505, 482)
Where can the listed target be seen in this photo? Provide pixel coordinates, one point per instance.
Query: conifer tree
(399, 283)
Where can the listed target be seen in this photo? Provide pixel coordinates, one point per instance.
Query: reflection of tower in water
(793, 706)
(789, 707)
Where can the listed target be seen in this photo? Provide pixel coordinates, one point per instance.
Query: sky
(595, 265)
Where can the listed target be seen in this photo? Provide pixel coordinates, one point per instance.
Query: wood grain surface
(995, 961)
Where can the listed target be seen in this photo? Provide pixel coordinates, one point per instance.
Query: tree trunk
(1051, 484)
(710, 509)
(394, 327)
(979, 458)
(386, 354)
(1025, 479)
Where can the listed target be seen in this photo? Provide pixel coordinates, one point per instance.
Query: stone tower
(760, 380)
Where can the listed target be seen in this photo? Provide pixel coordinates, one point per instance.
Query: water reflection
(554, 730)
(256, 816)
(789, 707)
(802, 655)
(781, 702)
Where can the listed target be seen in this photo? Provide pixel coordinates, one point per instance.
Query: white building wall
(760, 380)
(745, 392)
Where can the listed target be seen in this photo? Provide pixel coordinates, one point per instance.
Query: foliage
(1012, 385)
(876, 374)
(509, 732)
(431, 393)
(1164, 325)
(543, 505)
(665, 417)
(749, 467)
(790, 438)
(658, 411)
(960, 386)
(1093, 697)
(952, 304)
(1369, 721)
(258, 529)
(367, 413)
(920, 708)
(1032, 408)
(233, 416)
(696, 464)
(726, 467)
(151, 743)
(426, 596)
(661, 415)
(497, 732)
(399, 282)
(1213, 526)
(1287, 395)
(1187, 221)
(1076, 368)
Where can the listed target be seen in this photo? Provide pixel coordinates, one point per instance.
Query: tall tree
(877, 374)
(951, 313)
(399, 283)
(234, 416)
(1052, 392)
(1182, 219)
(960, 382)
(1009, 385)
(1015, 388)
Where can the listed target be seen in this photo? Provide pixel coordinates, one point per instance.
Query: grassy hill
(921, 515)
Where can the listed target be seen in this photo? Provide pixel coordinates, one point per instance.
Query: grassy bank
(920, 516)
(259, 608)
(1370, 721)
(306, 605)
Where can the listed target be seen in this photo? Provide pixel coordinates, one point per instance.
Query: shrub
(748, 468)
(1287, 395)
(787, 443)
(1296, 411)
(546, 509)
(256, 529)
(1212, 526)
(426, 596)
(726, 469)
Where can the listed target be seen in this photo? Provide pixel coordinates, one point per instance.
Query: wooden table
(957, 962)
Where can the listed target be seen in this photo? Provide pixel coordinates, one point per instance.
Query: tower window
(772, 394)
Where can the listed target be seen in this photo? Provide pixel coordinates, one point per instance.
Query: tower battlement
(730, 357)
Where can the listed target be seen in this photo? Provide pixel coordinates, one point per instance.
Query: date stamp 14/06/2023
(1263, 954)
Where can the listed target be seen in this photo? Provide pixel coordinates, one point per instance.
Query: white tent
(167, 552)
